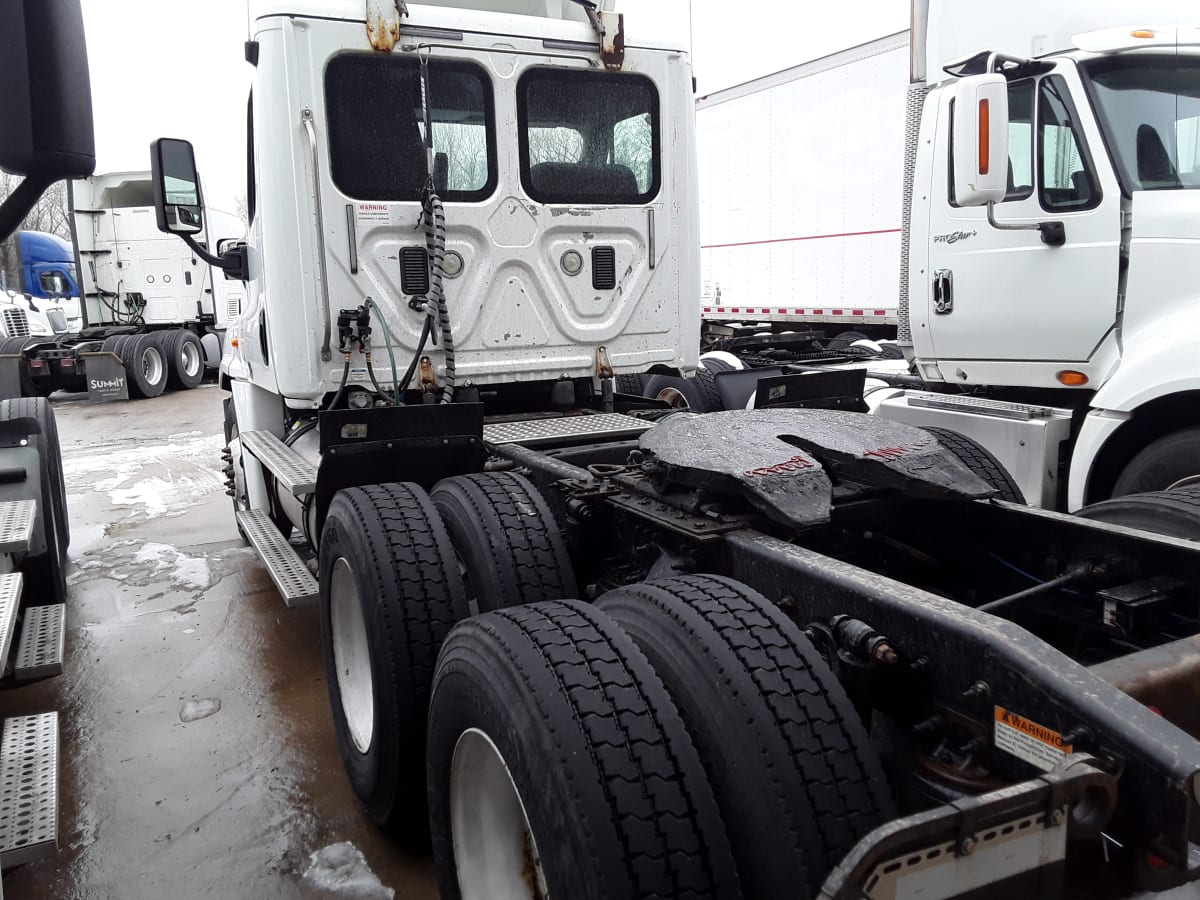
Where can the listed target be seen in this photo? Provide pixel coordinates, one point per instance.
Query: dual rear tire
(570, 749)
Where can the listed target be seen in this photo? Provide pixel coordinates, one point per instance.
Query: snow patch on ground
(147, 564)
(195, 710)
(182, 570)
(340, 872)
(151, 480)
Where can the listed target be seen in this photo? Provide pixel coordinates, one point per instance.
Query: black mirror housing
(177, 201)
(46, 131)
(46, 104)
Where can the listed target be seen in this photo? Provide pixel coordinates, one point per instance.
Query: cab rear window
(588, 137)
(377, 128)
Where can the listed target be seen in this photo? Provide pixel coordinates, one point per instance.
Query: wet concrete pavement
(167, 609)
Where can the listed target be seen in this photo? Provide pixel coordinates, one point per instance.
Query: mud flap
(419, 444)
(105, 376)
(10, 376)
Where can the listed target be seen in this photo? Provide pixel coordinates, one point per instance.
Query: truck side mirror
(980, 140)
(176, 187)
(46, 101)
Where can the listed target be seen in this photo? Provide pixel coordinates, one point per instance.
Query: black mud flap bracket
(1016, 836)
(420, 444)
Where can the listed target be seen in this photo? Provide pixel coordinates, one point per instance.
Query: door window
(1066, 177)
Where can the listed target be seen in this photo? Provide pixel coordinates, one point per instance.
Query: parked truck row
(120, 311)
(594, 645)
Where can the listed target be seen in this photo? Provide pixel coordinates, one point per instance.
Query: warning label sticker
(1034, 743)
(374, 212)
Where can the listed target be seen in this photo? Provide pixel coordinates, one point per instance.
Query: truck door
(1005, 295)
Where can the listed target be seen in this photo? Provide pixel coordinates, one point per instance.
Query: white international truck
(597, 647)
(800, 178)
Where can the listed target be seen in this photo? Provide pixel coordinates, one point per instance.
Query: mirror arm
(1054, 234)
(201, 252)
(231, 261)
(14, 210)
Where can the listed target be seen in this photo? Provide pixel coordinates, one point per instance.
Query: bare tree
(49, 213)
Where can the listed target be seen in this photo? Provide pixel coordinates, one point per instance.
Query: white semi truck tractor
(1047, 292)
(592, 646)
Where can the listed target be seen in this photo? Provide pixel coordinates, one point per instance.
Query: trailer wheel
(558, 766)
(45, 573)
(698, 394)
(795, 776)
(30, 387)
(1162, 464)
(630, 384)
(145, 365)
(390, 593)
(846, 338)
(504, 533)
(185, 358)
(976, 457)
(1174, 513)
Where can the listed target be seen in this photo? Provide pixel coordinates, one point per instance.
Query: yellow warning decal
(1036, 744)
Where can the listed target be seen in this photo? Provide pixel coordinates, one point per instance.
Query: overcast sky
(175, 68)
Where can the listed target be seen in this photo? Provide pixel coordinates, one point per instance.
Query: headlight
(41, 329)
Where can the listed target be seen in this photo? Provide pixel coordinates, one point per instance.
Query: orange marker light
(233, 342)
(1142, 33)
(1072, 379)
(985, 137)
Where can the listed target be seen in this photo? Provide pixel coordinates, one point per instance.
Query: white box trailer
(801, 183)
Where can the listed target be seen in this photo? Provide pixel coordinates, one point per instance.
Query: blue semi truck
(40, 264)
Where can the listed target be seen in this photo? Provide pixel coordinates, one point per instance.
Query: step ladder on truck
(590, 644)
(43, 142)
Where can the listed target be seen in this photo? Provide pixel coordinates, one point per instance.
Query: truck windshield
(1149, 107)
(588, 137)
(377, 128)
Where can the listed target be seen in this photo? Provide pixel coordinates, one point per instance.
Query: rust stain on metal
(428, 378)
(612, 40)
(383, 23)
(604, 368)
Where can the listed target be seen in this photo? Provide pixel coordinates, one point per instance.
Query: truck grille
(16, 323)
(414, 271)
(57, 319)
(604, 268)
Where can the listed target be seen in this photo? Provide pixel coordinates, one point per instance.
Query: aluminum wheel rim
(494, 849)
(1189, 481)
(190, 357)
(352, 655)
(152, 365)
(674, 398)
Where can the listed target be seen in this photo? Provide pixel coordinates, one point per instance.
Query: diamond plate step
(28, 789)
(10, 600)
(292, 470)
(40, 651)
(543, 431)
(16, 525)
(984, 406)
(296, 584)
